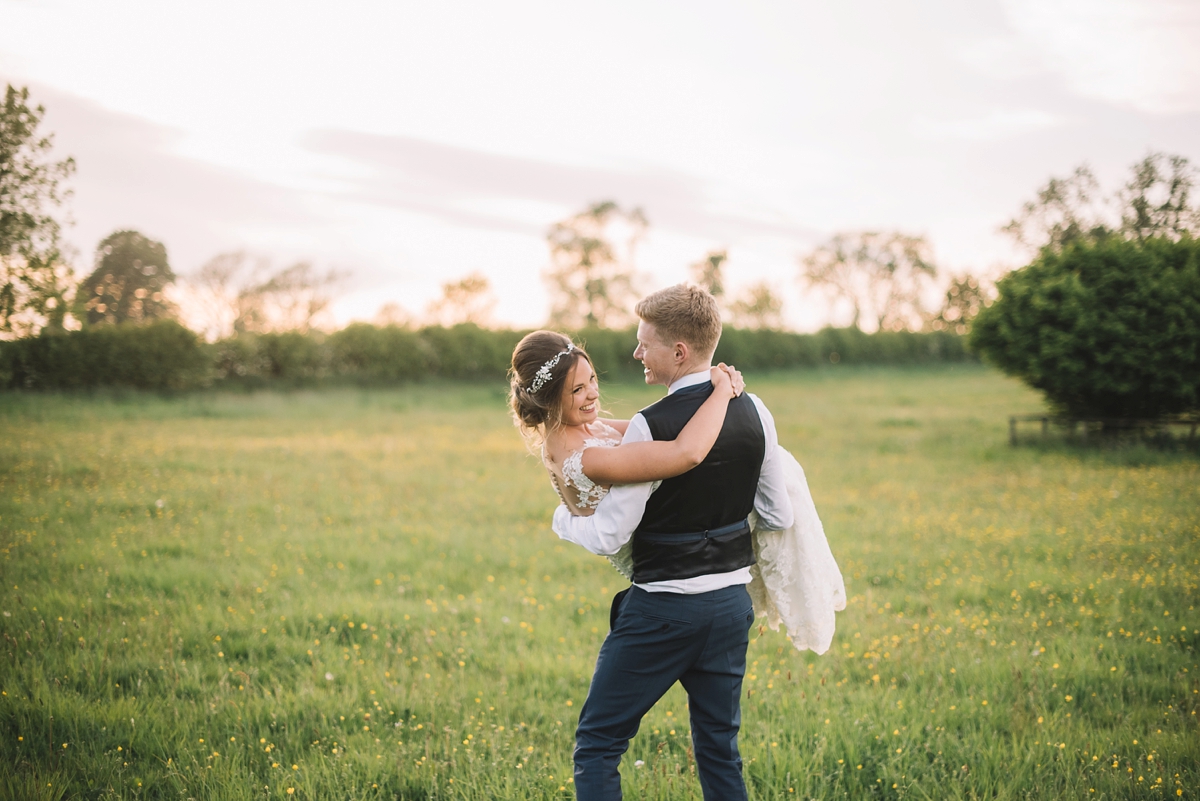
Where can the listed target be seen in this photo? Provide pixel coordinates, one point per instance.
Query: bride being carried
(555, 401)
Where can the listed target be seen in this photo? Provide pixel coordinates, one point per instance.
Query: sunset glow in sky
(415, 143)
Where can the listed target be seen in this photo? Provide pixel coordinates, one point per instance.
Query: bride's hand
(735, 376)
(727, 379)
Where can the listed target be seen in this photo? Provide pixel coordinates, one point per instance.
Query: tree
(34, 282)
(1106, 329)
(1065, 210)
(966, 296)
(296, 297)
(235, 293)
(591, 281)
(128, 283)
(709, 272)
(757, 307)
(216, 302)
(1156, 202)
(467, 300)
(881, 275)
(392, 315)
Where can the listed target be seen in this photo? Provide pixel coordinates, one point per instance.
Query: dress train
(796, 582)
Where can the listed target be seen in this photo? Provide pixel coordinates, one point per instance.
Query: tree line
(251, 322)
(1105, 318)
(164, 355)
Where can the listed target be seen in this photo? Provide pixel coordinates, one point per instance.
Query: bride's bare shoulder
(620, 426)
(559, 445)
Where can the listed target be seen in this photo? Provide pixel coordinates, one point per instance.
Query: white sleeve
(617, 514)
(771, 501)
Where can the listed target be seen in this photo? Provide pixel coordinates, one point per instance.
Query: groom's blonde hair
(683, 313)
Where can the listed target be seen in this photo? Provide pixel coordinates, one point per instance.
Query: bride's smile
(581, 401)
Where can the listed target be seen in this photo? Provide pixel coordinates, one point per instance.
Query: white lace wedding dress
(796, 581)
(587, 494)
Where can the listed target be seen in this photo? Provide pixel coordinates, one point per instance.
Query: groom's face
(659, 362)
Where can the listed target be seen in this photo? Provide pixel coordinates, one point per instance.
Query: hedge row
(165, 355)
(159, 356)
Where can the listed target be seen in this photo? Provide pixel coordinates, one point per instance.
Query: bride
(555, 403)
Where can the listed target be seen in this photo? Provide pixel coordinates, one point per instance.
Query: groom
(687, 616)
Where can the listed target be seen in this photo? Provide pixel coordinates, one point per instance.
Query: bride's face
(581, 395)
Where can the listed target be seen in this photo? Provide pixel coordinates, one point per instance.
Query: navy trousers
(658, 639)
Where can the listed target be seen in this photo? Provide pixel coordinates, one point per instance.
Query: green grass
(207, 596)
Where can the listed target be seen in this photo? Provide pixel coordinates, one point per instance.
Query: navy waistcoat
(673, 540)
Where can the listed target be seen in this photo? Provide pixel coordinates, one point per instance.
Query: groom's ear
(682, 352)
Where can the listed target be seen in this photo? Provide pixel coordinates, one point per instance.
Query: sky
(413, 143)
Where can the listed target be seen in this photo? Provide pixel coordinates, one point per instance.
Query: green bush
(468, 351)
(158, 356)
(390, 353)
(768, 350)
(238, 358)
(293, 356)
(765, 349)
(891, 347)
(1108, 329)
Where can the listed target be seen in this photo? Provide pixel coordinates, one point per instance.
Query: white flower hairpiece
(543, 373)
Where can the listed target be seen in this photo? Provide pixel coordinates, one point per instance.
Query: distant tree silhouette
(966, 296)
(392, 314)
(709, 272)
(127, 285)
(759, 306)
(467, 300)
(295, 297)
(591, 281)
(235, 293)
(881, 274)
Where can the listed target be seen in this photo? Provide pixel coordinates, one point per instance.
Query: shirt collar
(690, 380)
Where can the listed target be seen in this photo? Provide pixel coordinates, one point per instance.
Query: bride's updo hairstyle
(536, 385)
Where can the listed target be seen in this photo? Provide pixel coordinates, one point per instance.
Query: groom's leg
(655, 640)
(714, 688)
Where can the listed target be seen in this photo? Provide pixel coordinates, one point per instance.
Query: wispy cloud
(1143, 54)
(990, 125)
(129, 177)
(477, 188)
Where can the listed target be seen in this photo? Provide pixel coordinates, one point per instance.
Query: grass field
(355, 594)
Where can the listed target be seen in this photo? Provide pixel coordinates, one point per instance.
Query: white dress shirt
(620, 511)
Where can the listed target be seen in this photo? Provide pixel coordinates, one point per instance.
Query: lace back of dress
(587, 494)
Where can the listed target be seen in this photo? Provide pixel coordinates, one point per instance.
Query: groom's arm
(771, 500)
(617, 514)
